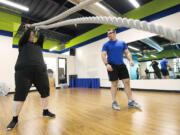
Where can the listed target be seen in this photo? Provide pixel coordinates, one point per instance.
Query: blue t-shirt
(163, 64)
(115, 51)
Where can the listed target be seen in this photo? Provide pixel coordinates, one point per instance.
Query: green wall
(9, 22)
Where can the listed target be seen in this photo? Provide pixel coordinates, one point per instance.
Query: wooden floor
(89, 112)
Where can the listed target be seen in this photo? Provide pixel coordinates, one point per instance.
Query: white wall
(70, 64)
(89, 64)
(8, 57)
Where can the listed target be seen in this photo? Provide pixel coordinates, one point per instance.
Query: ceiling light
(146, 57)
(139, 54)
(54, 48)
(154, 56)
(133, 48)
(134, 3)
(15, 5)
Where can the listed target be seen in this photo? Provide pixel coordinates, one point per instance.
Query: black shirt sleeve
(156, 63)
(40, 40)
(24, 39)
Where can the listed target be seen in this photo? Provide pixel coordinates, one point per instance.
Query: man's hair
(112, 30)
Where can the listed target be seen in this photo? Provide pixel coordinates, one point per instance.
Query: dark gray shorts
(26, 77)
(119, 72)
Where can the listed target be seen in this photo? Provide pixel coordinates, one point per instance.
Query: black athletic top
(155, 66)
(30, 54)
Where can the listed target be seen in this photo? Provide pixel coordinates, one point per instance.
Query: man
(30, 69)
(157, 71)
(164, 64)
(112, 56)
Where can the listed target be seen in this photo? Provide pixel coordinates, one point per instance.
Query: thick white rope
(67, 13)
(121, 22)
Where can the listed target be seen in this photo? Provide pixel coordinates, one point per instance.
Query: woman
(30, 69)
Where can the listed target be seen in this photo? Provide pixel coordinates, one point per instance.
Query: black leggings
(158, 74)
(26, 77)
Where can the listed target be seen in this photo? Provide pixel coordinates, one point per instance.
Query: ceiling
(143, 47)
(41, 10)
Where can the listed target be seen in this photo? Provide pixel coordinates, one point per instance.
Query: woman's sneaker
(12, 125)
(48, 114)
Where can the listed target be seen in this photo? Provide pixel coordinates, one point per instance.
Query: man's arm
(129, 57)
(167, 64)
(104, 59)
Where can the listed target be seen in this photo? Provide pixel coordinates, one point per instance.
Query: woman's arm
(24, 39)
(40, 40)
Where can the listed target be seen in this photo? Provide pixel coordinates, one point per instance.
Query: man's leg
(127, 89)
(166, 77)
(114, 85)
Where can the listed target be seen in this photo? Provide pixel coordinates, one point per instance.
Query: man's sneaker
(12, 125)
(115, 106)
(133, 104)
(48, 114)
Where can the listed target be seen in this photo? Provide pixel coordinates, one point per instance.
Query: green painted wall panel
(165, 53)
(9, 22)
(150, 8)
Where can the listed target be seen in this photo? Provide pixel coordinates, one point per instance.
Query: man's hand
(132, 63)
(109, 68)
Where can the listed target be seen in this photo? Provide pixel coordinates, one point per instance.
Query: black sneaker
(48, 114)
(12, 125)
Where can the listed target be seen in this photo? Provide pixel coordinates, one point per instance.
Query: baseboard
(151, 90)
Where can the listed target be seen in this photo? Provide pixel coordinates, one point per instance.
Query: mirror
(62, 71)
(155, 58)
